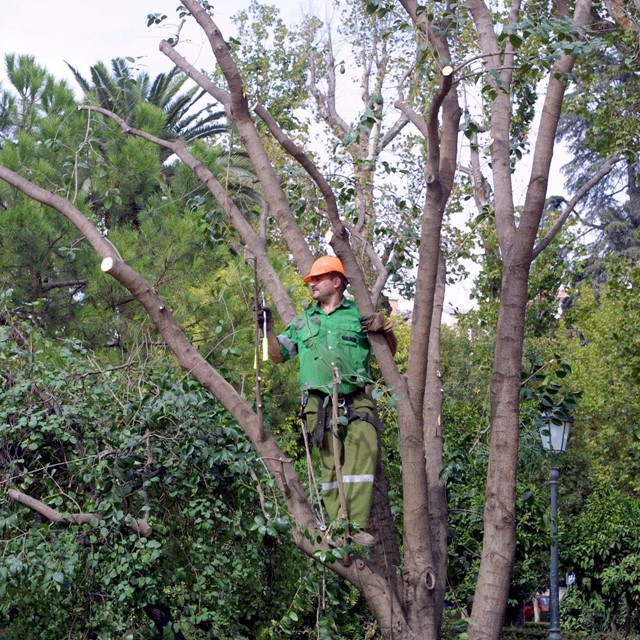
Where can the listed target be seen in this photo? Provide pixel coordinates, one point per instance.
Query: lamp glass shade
(555, 436)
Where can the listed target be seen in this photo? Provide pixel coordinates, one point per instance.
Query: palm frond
(165, 87)
(179, 107)
(121, 92)
(80, 79)
(200, 132)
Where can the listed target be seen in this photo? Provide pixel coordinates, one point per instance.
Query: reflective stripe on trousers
(359, 459)
(329, 486)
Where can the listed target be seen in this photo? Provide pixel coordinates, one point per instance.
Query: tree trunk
(434, 464)
(498, 547)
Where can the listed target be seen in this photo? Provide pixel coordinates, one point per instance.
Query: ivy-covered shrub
(181, 532)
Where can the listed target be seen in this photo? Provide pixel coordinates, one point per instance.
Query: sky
(83, 32)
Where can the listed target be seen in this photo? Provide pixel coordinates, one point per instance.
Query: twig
(260, 491)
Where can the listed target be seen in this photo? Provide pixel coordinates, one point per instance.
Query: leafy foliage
(125, 443)
(604, 547)
(602, 329)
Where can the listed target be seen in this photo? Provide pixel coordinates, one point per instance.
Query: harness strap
(351, 414)
(318, 418)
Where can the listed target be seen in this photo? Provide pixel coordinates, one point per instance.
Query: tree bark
(238, 111)
(516, 245)
(434, 464)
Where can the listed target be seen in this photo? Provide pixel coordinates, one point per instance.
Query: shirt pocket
(308, 332)
(349, 334)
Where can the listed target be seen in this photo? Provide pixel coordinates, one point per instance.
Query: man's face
(323, 287)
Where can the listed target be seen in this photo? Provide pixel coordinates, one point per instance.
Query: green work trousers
(358, 443)
(358, 461)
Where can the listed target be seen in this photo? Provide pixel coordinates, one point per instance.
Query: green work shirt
(324, 341)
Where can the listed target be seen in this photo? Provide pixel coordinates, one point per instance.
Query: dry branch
(139, 526)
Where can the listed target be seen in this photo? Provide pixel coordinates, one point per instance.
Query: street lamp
(554, 434)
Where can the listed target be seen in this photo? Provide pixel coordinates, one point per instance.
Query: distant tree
(601, 125)
(32, 94)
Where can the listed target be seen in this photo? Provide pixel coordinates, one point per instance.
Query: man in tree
(330, 340)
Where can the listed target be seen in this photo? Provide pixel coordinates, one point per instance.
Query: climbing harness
(320, 413)
(355, 406)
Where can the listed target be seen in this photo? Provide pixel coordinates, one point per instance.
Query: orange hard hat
(324, 265)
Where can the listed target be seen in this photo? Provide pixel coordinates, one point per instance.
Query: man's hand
(263, 314)
(376, 322)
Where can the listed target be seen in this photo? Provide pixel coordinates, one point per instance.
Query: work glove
(375, 323)
(262, 314)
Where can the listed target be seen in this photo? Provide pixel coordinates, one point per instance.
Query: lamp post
(554, 434)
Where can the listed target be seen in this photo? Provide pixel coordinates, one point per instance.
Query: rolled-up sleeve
(288, 348)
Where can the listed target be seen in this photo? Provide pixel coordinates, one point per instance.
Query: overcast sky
(83, 32)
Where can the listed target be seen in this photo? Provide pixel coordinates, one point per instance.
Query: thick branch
(414, 118)
(222, 96)
(545, 142)
(241, 116)
(516, 245)
(299, 155)
(500, 116)
(393, 132)
(422, 552)
(64, 283)
(101, 245)
(327, 106)
(251, 239)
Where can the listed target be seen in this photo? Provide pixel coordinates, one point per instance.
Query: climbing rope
(256, 353)
(316, 501)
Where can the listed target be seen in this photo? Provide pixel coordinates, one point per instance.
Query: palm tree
(121, 92)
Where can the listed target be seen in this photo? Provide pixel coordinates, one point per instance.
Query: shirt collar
(343, 303)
